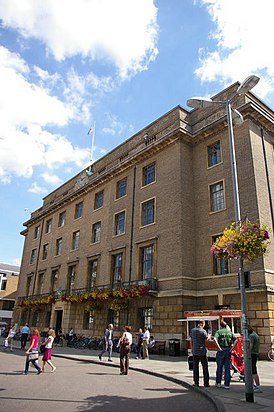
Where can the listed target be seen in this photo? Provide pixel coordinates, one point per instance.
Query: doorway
(58, 323)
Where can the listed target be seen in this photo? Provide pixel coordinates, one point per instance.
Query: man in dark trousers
(199, 337)
(25, 332)
(225, 340)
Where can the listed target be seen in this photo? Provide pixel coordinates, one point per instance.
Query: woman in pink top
(33, 349)
(47, 355)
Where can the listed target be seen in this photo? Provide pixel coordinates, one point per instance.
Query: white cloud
(121, 31)
(36, 189)
(243, 33)
(51, 178)
(115, 127)
(22, 102)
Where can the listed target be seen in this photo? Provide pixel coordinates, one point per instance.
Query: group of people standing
(225, 341)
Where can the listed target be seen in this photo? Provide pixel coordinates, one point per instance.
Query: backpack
(125, 341)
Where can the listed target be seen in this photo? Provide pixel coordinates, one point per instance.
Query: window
(71, 277)
(3, 281)
(148, 212)
(214, 154)
(28, 284)
(62, 219)
(8, 304)
(217, 198)
(99, 200)
(88, 321)
(117, 261)
(119, 222)
(36, 232)
(59, 243)
(75, 239)
(96, 232)
(48, 226)
(149, 174)
(121, 188)
(33, 256)
(146, 316)
(40, 284)
(147, 262)
(220, 265)
(78, 210)
(54, 278)
(92, 273)
(45, 251)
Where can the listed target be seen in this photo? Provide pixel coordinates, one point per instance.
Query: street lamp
(200, 102)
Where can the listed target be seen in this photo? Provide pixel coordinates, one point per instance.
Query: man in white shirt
(146, 338)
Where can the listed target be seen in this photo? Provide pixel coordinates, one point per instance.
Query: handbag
(33, 356)
(6, 343)
(42, 348)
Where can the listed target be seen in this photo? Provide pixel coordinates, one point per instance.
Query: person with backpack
(124, 344)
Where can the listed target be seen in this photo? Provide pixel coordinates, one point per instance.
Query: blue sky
(119, 63)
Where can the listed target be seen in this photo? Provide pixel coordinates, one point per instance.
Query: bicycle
(270, 353)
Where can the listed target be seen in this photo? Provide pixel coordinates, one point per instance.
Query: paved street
(82, 386)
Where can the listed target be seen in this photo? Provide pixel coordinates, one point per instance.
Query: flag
(90, 130)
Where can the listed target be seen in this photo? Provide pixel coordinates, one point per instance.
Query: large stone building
(128, 240)
(9, 275)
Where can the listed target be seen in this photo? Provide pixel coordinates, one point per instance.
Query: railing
(57, 294)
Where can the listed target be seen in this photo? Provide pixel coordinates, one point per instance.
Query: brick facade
(180, 234)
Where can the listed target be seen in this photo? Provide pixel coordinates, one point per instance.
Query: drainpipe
(132, 224)
(267, 179)
(131, 232)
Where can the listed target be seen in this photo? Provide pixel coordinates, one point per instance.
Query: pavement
(175, 368)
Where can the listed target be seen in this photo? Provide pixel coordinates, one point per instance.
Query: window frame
(121, 188)
(48, 226)
(96, 232)
(33, 256)
(145, 213)
(219, 262)
(212, 155)
(62, 219)
(45, 251)
(99, 200)
(144, 273)
(146, 174)
(75, 240)
(118, 231)
(58, 245)
(213, 197)
(78, 212)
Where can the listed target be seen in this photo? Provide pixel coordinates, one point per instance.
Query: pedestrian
(108, 342)
(25, 331)
(225, 341)
(139, 348)
(146, 338)
(32, 352)
(70, 336)
(254, 349)
(11, 334)
(198, 340)
(48, 352)
(125, 343)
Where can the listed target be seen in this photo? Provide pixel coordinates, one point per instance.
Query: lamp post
(231, 114)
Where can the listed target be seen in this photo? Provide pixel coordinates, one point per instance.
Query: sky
(68, 65)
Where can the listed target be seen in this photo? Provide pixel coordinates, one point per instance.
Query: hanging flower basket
(247, 240)
(25, 303)
(104, 295)
(120, 304)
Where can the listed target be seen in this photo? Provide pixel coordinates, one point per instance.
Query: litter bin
(174, 347)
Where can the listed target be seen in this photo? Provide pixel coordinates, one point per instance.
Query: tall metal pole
(249, 394)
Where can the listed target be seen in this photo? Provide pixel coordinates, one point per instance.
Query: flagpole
(92, 142)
